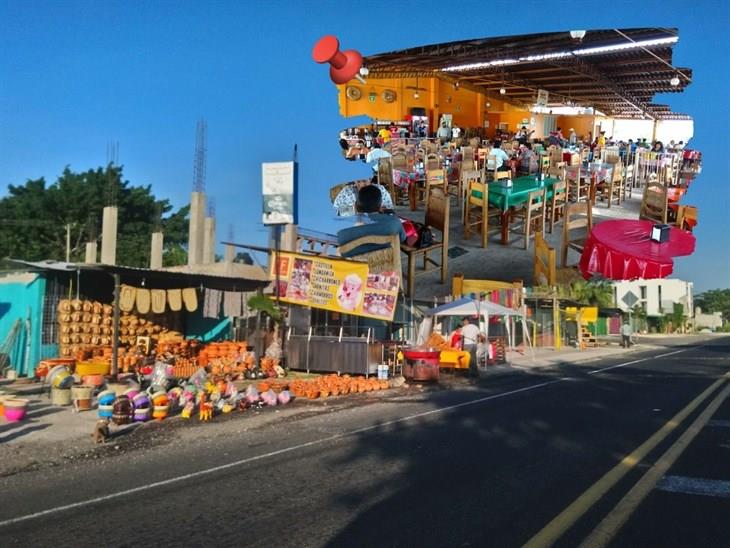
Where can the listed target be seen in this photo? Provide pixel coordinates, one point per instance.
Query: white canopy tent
(468, 307)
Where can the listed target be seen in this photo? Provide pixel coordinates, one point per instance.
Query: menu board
(336, 284)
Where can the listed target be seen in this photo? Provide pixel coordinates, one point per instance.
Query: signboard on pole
(279, 190)
(630, 299)
(336, 285)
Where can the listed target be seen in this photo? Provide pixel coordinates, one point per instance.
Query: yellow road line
(617, 518)
(567, 518)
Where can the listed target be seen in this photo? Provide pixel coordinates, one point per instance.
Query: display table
(506, 198)
(456, 359)
(622, 250)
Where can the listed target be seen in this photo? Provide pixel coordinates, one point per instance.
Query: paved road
(555, 457)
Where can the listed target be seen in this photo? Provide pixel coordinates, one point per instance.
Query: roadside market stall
(484, 311)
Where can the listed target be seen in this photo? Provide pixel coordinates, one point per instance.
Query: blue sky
(76, 75)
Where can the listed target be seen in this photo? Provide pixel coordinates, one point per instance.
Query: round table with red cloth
(623, 250)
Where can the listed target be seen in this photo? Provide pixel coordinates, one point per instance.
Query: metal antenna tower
(200, 158)
(211, 206)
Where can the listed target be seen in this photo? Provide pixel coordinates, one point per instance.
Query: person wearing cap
(470, 338)
(572, 138)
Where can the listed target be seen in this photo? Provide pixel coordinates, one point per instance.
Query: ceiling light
(415, 95)
(456, 85)
(502, 91)
(674, 81)
(364, 71)
(488, 104)
(563, 54)
(577, 34)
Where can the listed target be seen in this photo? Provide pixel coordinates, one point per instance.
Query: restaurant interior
(533, 160)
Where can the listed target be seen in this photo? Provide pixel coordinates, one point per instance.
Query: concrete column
(289, 238)
(90, 253)
(230, 254)
(158, 239)
(197, 227)
(209, 240)
(109, 235)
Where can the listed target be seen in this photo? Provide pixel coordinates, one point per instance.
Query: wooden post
(115, 328)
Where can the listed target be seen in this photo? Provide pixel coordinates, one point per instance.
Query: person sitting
(528, 160)
(369, 202)
(499, 154)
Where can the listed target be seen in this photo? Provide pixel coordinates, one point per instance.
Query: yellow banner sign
(336, 285)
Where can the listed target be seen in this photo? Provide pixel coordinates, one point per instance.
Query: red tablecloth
(623, 250)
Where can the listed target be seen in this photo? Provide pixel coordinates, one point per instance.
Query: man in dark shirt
(369, 201)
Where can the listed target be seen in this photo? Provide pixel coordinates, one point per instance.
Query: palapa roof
(615, 71)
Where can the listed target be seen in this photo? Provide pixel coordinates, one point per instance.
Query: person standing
(626, 332)
(470, 338)
(444, 133)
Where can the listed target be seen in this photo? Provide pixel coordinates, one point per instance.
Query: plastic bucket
(81, 396)
(383, 372)
(60, 396)
(15, 409)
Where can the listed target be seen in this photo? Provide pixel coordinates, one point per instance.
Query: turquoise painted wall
(21, 298)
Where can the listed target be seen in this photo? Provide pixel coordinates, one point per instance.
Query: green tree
(592, 293)
(715, 300)
(34, 217)
(677, 317)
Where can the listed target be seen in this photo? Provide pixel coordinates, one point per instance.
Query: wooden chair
(578, 189)
(466, 177)
(558, 201)
(612, 189)
(686, 217)
(431, 162)
(557, 170)
(584, 155)
(477, 211)
(437, 217)
(628, 184)
(399, 161)
(578, 216)
(531, 216)
(474, 143)
(435, 178)
(545, 271)
(654, 203)
(544, 163)
(387, 259)
(385, 179)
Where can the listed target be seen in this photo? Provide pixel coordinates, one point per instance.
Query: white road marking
(695, 486)
(214, 469)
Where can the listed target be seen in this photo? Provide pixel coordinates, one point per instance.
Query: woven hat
(190, 298)
(143, 300)
(159, 298)
(174, 299)
(127, 297)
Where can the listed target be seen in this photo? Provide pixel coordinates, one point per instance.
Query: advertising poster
(336, 285)
(278, 180)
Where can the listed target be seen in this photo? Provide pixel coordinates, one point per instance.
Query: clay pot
(15, 409)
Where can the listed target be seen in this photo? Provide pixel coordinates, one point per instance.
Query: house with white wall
(710, 320)
(655, 297)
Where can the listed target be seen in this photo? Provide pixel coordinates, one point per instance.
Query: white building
(656, 297)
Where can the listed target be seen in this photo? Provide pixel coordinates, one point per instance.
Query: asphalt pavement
(546, 456)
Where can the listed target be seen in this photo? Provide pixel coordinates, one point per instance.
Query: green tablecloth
(504, 198)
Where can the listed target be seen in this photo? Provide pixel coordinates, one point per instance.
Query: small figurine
(188, 409)
(206, 409)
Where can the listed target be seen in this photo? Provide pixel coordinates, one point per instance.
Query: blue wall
(21, 298)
